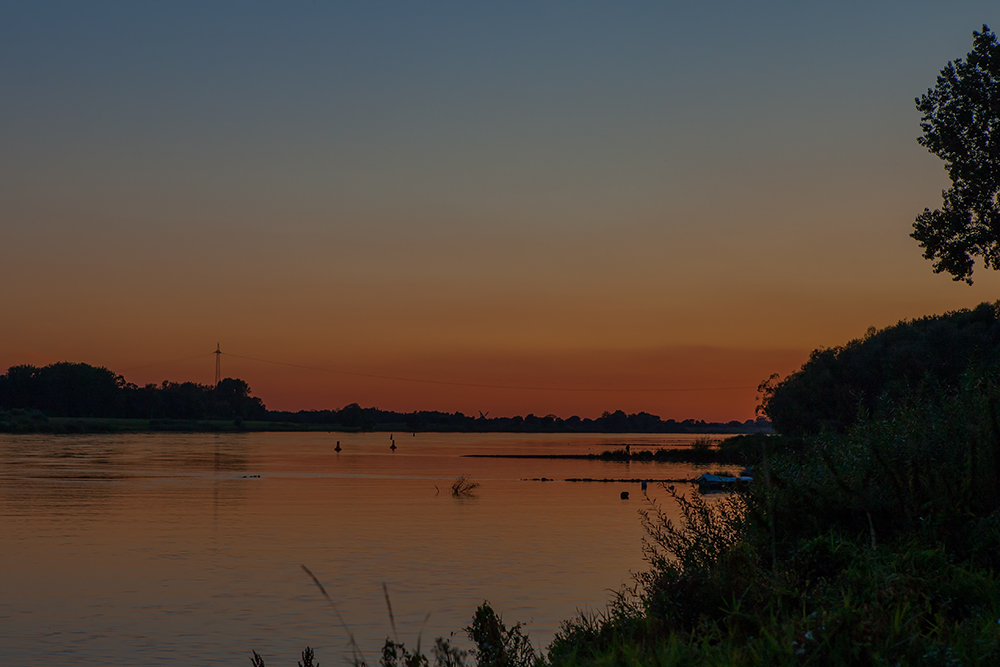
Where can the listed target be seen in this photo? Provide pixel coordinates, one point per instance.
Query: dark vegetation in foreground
(871, 543)
(79, 398)
(878, 546)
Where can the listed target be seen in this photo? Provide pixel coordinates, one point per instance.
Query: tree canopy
(870, 374)
(961, 125)
(74, 390)
(67, 389)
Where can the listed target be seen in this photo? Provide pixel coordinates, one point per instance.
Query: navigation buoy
(337, 448)
(393, 446)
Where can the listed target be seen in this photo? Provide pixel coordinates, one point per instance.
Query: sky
(509, 207)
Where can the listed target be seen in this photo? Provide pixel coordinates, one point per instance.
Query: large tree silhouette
(961, 124)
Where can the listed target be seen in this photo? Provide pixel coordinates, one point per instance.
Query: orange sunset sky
(510, 208)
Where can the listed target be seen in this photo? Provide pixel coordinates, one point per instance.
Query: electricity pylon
(218, 364)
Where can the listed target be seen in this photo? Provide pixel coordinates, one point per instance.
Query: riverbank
(24, 422)
(878, 546)
(730, 451)
(34, 421)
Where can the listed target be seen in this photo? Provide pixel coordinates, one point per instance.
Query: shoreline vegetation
(78, 398)
(729, 451)
(870, 534)
(19, 420)
(879, 546)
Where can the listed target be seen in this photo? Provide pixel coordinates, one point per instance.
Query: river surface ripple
(183, 549)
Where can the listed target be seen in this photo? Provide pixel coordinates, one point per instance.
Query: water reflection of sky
(141, 549)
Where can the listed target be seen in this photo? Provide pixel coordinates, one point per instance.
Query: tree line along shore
(870, 534)
(79, 398)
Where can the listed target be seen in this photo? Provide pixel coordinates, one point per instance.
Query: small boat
(720, 483)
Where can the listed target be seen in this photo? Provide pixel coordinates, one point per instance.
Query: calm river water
(185, 549)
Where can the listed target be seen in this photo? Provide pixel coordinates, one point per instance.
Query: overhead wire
(483, 385)
(164, 363)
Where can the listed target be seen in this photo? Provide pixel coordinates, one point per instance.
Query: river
(185, 549)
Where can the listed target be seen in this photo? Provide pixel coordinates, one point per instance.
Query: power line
(483, 386)
(163, 363)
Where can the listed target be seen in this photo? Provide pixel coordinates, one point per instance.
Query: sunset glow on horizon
(509, 209)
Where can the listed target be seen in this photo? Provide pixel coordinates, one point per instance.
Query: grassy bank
(879, 546)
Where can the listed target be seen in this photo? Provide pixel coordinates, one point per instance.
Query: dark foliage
(354, 417)
(742, 450)
(961, 125)
(83, 391)
(496, 644)
(869, 375)
(79, 390)
(395, 654)
(308, 657)
(64, 389)
(932, 463)
(878, 546)
(20, 420)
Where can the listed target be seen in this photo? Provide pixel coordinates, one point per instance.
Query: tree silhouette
(232, 400)
(961, 125)
(64, 388)
(871, 375)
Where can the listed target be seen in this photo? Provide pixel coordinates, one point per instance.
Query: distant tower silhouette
(218, 364)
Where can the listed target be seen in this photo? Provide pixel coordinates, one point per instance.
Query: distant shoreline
(689, 454)
(67, 397)
(39, 423)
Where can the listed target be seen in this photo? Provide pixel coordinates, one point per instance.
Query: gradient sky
(644, 206)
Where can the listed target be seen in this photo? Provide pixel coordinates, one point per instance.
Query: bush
(878, 546)
(869, 375)
(496, 645)
(19, 420)
(931, 464)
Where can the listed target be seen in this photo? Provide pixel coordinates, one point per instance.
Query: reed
(463, 486)
(496, 645)
(877, 546)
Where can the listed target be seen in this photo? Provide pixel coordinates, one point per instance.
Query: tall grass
(496, 645)
(879, 546)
